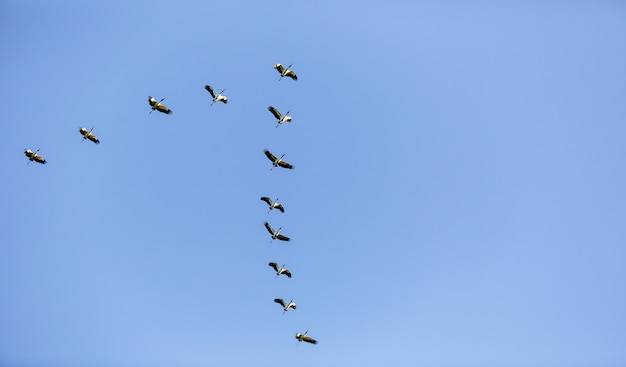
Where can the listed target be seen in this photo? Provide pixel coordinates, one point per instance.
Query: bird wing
(39, 159)
(82, 131)
(280, 68)
(286, 272)
(275, 112)
(267, 200)
(280, 301)
(285, 165)
(274, 265)
(151, 101)
(164, 109)
(269, 228)
(308, 339)
(269, 155)
(291, 74)
(283, 237)
(280, 207)
(93, 138)
(210, 90)
(292, 305)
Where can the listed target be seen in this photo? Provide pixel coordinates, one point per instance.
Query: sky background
(457, 199)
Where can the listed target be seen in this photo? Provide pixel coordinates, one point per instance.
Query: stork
(276, 233)
(277, 161)
(305, 338)
(33, 156)
(217, 97)
(285, 72)
(286, 306)
(158, 105)
(281, 270)
(88, 135)
(279, 116)
(273, 204)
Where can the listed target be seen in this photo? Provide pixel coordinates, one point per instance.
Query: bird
(217, 97)
(276, 233)
(158, 106)
(273, 204)
(279, 116)
(280, 270)
(33, 156)
(285, 72)
(277, 161)
(286, 306)
(88, 135)
(305, 338)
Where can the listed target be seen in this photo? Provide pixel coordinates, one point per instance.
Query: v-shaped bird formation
(276, 234)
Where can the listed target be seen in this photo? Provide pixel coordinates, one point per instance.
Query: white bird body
(285, 72)
(273, 204)
(305, 338)
(277, 162)
(33, 156)
(217, 97)
(276, 233)
(286, 305)
(89, 135)
(279, 116)
(280, 270)
(157, 105)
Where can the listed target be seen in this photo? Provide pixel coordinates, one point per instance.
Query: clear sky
(458, 197)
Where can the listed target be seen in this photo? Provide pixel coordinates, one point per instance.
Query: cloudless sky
(457, 199)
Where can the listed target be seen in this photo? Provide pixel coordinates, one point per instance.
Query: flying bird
(88, 135)
(217, 97)
(286, 306)
(276, 233)
(277, 161)
(33, 156)
(273, 204)
(305, 338)
(158, 105)
(280, 270)
(279, 116)
(285, 72)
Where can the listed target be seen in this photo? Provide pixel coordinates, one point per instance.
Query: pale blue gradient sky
(457, 199)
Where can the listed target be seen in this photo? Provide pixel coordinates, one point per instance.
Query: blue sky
(457, 199)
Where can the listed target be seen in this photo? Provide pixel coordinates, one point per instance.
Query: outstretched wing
(274, 265)
(269, 228)
(269, 155)
(210, 90)
(283, 237)
(285, 165)
(286, 272)
(292, 305)
(83, 131)
(308, 339)
(280, 207)
(275, 112)
(164, 109)
(291, 74)
(267, 200)
(280, 301)
(93, 138)
(280, 68)
(151, 101)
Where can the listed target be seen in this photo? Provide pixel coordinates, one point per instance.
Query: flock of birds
(276, 162)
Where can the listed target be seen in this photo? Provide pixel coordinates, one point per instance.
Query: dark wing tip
(288, 274)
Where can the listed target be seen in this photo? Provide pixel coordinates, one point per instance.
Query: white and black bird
(286, 306)
(305, 338)
(157, 105)
(276, 233)
(88, 135)
(285, 72)
(217, 97)
(280, 270)
(276, 162)
(33, 156)
(273, 204)
(279, 116)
